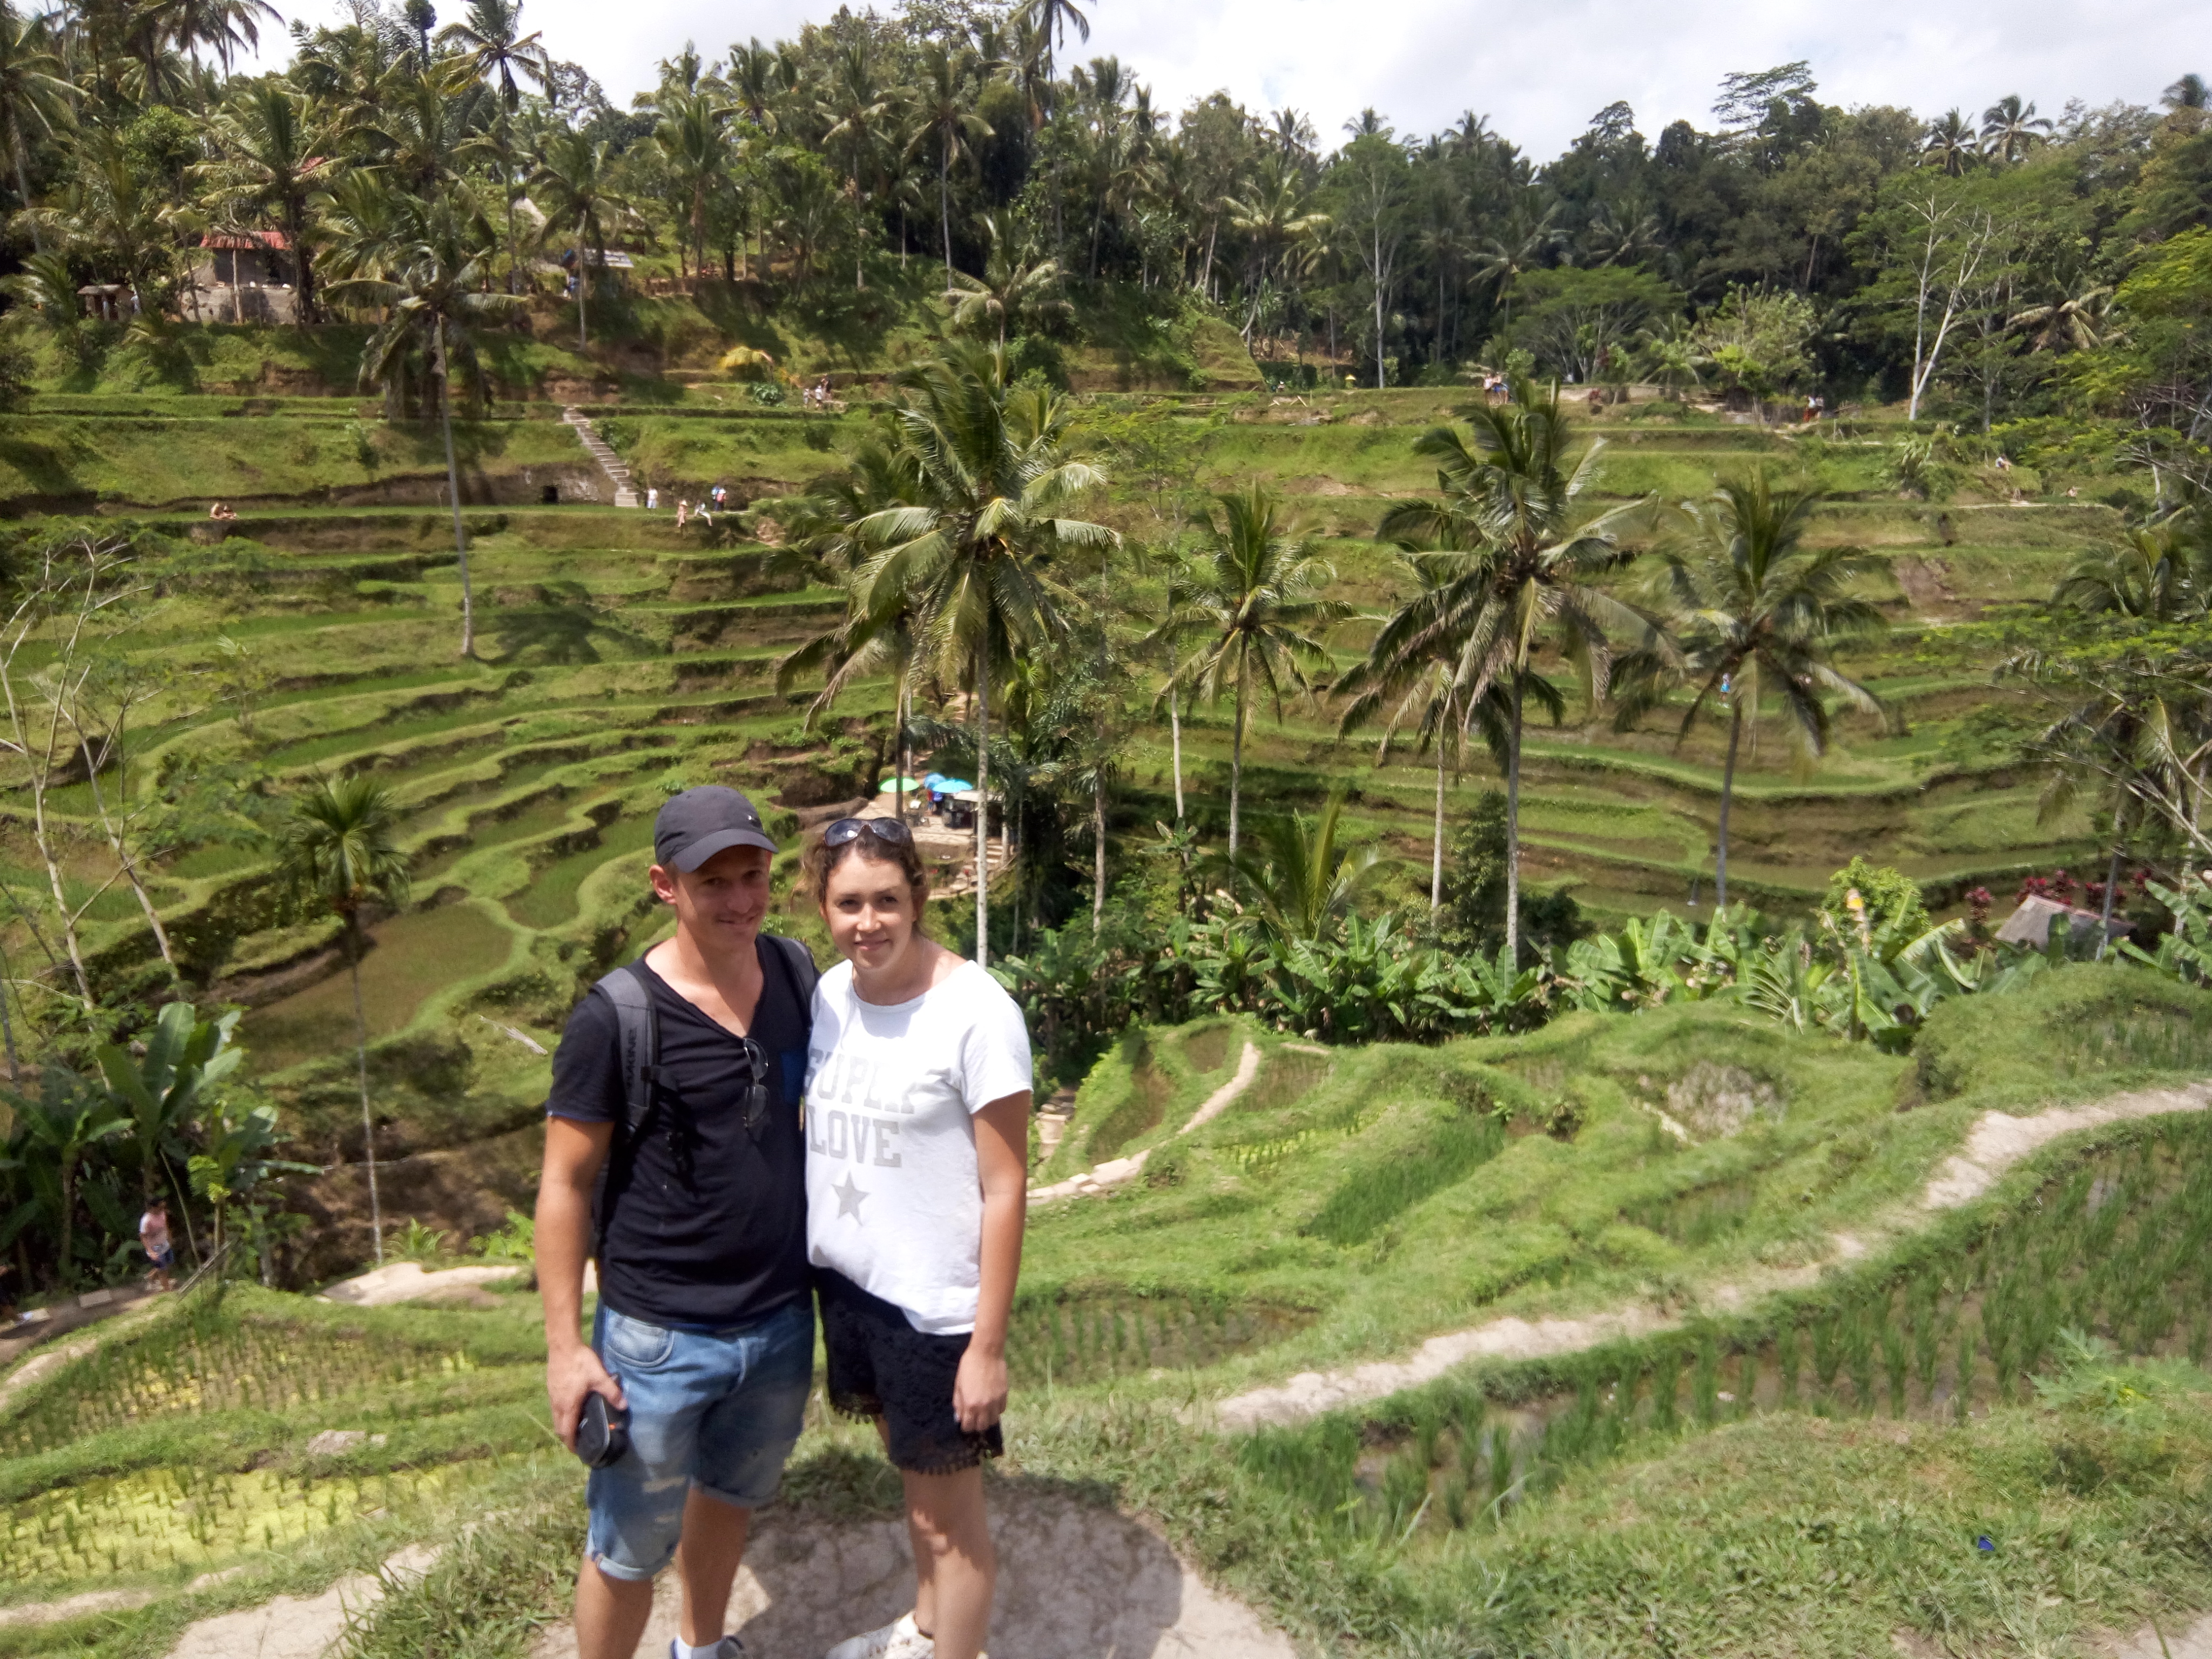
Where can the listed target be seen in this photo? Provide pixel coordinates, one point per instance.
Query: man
(705, 1331)
(154, 1239)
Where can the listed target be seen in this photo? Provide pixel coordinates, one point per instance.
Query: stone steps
(602, 452)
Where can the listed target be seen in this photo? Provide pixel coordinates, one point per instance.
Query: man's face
(722, 902)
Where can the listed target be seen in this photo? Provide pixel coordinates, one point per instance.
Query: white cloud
(1539, 74)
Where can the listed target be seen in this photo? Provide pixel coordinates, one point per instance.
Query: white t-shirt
(894, 1200)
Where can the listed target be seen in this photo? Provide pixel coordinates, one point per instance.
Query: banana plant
(230, 1174)
(161, 1089)
(58, 1125)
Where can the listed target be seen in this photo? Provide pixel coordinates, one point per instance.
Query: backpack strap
(638, 1041)
(639, 1025)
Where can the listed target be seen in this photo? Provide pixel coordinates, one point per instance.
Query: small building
(247, 276)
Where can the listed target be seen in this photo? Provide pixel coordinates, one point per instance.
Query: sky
(1538, 72)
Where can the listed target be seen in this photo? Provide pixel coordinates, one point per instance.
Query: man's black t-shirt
(705, 1224)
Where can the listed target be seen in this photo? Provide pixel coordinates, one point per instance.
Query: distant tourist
(652, 501)
(683, 514)
(917, 1145)
(154, 1239)
(678, 1079)
(221, 512)
(722, 495)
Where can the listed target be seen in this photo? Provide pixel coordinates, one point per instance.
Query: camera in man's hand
(601, 1432)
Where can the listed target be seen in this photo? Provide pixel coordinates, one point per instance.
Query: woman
(917, 1141)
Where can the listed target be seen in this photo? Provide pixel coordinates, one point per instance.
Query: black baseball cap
(700, 822)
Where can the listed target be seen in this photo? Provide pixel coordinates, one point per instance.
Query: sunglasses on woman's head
(888, 831)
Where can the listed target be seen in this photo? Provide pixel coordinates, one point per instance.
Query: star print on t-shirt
(849, 1198)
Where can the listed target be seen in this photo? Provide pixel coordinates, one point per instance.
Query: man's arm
(1002, 1155)
(574, 1154)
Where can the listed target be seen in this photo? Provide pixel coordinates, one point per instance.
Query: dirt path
(1120, 1171)
(1996, 1143)
(409, 1281)
(300, 1627)
(1075, 1582)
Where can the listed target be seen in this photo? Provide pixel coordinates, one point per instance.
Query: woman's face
(870, 910)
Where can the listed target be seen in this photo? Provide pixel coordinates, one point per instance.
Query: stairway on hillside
(603, 453)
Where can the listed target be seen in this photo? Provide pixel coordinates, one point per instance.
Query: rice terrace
(1590, 775)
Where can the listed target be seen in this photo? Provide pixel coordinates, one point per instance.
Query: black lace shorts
(881, 1366)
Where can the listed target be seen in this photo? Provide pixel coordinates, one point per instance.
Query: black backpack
(640, 1028)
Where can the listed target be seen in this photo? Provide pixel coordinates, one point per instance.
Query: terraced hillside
(619, 658)
(1558, 1337)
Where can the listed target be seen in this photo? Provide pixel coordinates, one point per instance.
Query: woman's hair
(821, 859)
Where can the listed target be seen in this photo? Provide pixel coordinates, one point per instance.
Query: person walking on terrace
(917, 1146)
(673, 1154)
(154, 1239)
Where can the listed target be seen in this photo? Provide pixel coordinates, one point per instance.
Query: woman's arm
(1002, 1156)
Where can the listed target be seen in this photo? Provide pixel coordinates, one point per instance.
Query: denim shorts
(717, 1411)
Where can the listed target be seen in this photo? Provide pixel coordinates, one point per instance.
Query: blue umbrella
(932, 780)
(953, 785)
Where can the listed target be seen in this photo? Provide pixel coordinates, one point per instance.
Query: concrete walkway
(1075, 1582)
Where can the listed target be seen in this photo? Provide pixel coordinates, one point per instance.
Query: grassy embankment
(1803, 1469)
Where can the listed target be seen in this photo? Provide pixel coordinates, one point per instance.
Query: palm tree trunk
(583, 329)
(1098, 850)
(360, 1069)
(905, 745)
(1437, 842)
(453, 486)
(2112, 877)
(23, 189)
(1513, 828)
(1175, 741)
(983, 808)
(1728, 793)
(1237, 757)
(63, 1275)
(945, 203)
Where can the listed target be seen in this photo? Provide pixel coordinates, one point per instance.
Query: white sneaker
(728, 1648)
(897, 1640)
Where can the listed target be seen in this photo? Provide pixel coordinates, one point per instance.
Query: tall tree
(1753, 609)
(35, 97)
(340, 851)
(500, 57)
(576, 193)
(434, 301)
(271, 162)
(1253, 620)
(945, 121)
(1512, 494)
(972, 549)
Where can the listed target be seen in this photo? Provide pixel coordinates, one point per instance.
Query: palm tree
(2010, 129)
(272, 164)
(1509, 499)
(691, 141)
(1012, 288)
(2189, 91)
(1304, 882)
(575, 192)
(972, 551)
(1051, 20)
(33, 96)
(496, 51)
(1752, 607)
(2076, 323)
(436, 295)
(2154, 574)
(340, 851)
(1422, 694)
(1950, 143)
(942, 103)
(228, 26)
(1252, 616)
